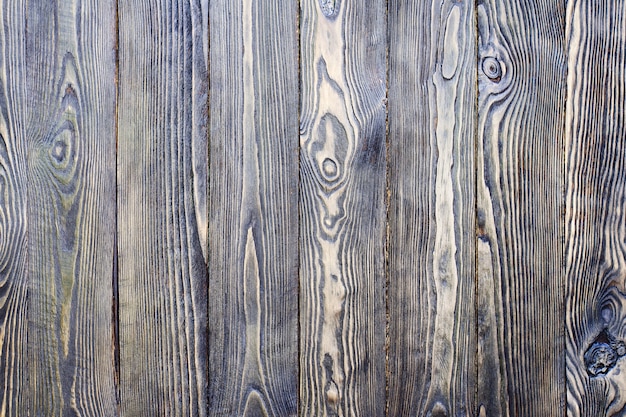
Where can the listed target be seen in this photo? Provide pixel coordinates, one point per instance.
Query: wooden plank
(162, 213)
(343, 213)
(595, 256)
(432, 120)
(253, 208)
(519, 199)
(14, 386)
(70, 129)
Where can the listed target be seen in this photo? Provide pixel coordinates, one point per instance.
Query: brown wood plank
(521, 85)
(70, 129)
(162, 212)
(253, 229)
(432, 120)
(14, 386)
(595, 256)
(343, 213)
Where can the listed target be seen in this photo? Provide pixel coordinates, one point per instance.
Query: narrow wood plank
(253, 208)
(14, 386)
(432, 120)
(70, 130)
(521, 80)
(343, 213)
(595, 255)
(162, 213)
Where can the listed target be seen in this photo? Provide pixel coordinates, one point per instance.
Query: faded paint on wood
(162, 214)
(342, 207)
(595, 256)
(521, 85)
(432, 119)
(70, 133)
(253, 249)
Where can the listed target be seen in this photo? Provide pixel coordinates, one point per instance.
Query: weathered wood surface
(595, 256)
(70, 135)
(253, 249)
(14, 384)
(342, 206)
(521, 85)
(205, 208)
(162, 211)
(432, 118)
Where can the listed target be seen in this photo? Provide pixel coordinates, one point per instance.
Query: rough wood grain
(521, 72)
(253, 249)
(70, 129)
(343, 219)
(432, 120)
(14, 387)
(162, 213)
(595, 224)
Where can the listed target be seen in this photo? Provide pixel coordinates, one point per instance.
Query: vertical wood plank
(343, 213)
(162, 213)
(70, 129)
(521, 80)
(595, 224)
(14, 389)
(253, 248)
(432, 121)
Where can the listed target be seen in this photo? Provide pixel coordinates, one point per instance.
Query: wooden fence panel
(521, 85)
(595, 174)
(432, 120)
(162, 210)
(342, 207)
(253, 208)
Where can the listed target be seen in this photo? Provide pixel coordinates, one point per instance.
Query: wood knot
(330, 8)
(492, 69)
(603, 353)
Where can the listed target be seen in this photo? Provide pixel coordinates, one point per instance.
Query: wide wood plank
(14, 387)
(162, 211)
(70, 73)
(521, 81)
(253, 248)
(432, 120)
(595, 223)
(343, 213)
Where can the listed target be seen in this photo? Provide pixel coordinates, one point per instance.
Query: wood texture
(342, 172)
(253, 208)
(162, 211)
(521, 84)
(432, 120)
(595, 256)
(70, 129)
(14, 386)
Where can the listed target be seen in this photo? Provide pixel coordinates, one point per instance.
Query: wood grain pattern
(342, 171)
(432, 120)
(521, 84)
(162, 213)
(595, 255)
(253, 208)
(70, 129)
(14, 386)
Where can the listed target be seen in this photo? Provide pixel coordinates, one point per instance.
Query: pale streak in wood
(162, 210)
(14, 389)
(520, 200)
(253, 249)
(432, 338)
(595, 223)
(342, 148)
(70, 128)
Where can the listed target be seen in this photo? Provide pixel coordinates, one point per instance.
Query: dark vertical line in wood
(299, 240)
(387, 206)
(475, 410)
(115, 280)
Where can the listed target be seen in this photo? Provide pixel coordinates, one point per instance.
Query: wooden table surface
(314, 208)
